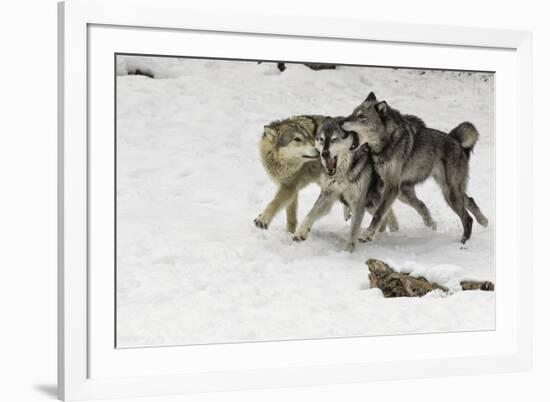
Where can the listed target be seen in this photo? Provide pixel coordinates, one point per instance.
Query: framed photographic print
(265, 201)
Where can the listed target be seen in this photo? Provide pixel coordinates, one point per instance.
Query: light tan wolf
(288, 154)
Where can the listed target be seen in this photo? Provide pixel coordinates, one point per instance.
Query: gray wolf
(405, 153)
(289, 156)
(347, 176)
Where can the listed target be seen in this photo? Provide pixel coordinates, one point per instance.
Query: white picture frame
(91, 367)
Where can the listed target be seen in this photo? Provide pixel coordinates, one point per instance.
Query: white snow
(192, 267)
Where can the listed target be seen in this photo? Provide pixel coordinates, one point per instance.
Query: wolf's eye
(361, 115)
(297, 139)
(334, 140)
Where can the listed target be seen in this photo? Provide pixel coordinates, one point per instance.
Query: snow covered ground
(192, 267)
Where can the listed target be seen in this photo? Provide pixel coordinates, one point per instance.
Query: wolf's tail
(467, 135)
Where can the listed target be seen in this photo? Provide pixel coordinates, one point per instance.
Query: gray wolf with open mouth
(289, 156)
(347, 176)
(405, 153)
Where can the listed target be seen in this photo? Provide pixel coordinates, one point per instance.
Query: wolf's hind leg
(456, 201)
(453, 186)
(474, 209)
(389, 195)
(390, 221)
(408, 196)
(291, 215)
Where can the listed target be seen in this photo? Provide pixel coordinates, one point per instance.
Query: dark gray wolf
(405, 152)
(347, 176)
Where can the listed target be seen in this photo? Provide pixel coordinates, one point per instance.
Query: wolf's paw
(367, 235)
(300, 235)
(429, 223)
(347, 213)
(483, 221)
(262, 221)
(350, 246)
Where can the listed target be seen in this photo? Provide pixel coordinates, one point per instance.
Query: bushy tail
(467, 135)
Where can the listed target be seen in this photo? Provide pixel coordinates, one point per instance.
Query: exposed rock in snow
(395, 284)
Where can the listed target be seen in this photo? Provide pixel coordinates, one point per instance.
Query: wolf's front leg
(284, 195)
(390, 193)
(321, 207)
(292, 214)
(392, 221)
(356, 220)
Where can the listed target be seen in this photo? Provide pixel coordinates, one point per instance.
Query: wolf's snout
(325, 154)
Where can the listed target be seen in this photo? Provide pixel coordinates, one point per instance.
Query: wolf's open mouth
(351, 132)
(330, 166)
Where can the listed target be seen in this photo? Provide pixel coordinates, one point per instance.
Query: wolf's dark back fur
(421, 147)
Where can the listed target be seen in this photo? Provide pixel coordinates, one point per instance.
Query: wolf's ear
(371, 97)
(382, 109)
(269, 132)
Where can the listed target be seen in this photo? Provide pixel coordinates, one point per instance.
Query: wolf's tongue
(330, 164)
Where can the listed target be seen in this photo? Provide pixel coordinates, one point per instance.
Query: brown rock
(395, 284)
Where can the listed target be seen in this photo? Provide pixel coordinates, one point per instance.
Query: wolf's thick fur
(289, 157)
(405, 152)
(347, 176)
(466, 135)
(292, 165)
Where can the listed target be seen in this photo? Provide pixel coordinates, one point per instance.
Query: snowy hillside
(192, 267)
